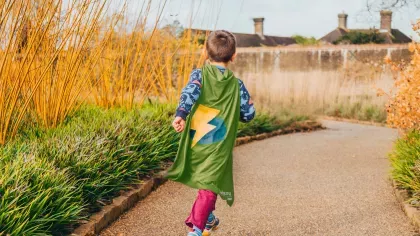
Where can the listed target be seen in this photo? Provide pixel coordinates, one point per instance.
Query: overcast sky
(282, 17)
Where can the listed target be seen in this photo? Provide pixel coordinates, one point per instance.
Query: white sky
(282, 17)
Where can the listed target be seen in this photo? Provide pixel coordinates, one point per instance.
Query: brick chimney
(386, 21)
(259, 26)
(342, 20)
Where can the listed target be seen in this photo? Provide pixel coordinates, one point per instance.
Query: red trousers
(203, 206)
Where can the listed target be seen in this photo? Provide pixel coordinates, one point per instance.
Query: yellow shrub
(404, 106)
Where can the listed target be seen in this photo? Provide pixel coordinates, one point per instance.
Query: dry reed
(144, 64)
(55, 55)
(332, 93)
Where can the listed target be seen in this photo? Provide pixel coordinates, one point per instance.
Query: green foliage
(201, 39)
(36, 197)
(99, 151)
(305, 41)
(357, 37)
(364, 109)
(53, 178)
(264, 123)
(405, 160)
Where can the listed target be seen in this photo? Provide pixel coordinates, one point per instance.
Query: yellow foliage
(141, 65)
(404, 106)
(56, 55)
(40, 56)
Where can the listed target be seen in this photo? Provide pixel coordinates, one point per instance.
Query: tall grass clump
(69, 42)
(124, 69)
(144, 62)
(108, 150)
(54, 178)
(56, 55)
(330, 93)
(405, 161)
(45, 51)
(19, 58)
(36, 197)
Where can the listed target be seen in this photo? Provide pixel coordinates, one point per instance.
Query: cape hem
(198, 185)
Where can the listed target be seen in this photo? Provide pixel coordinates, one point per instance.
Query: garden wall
(272, 73)
(265, 59)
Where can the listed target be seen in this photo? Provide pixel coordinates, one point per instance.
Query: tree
(377, 5)
(305, 41)
(174, 29)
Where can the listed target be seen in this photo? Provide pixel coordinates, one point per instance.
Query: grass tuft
(405, 160)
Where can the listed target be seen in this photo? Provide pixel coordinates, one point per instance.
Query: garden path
(330, 182)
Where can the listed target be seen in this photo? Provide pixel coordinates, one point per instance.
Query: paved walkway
(331, 182)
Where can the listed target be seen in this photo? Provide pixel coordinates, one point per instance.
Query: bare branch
(378, 5)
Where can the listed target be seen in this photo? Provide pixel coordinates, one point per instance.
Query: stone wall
(255, 60)
(321, 74)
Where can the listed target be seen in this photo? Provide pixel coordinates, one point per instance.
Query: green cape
(204, 159)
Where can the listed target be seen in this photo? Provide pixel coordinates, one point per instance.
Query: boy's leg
(203, 206)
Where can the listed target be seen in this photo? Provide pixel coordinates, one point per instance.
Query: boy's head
(221, 46)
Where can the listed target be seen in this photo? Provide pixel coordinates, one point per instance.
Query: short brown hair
(221, 46)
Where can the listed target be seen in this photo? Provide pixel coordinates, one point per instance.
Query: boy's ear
(206, 55)
(233, 57)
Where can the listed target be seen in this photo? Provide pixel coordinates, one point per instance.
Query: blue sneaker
(195, 232)
(211, 225)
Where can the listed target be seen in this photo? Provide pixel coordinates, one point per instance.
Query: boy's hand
(178, 124)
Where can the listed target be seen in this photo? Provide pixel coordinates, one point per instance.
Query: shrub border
(354, 121)
(403, 197)
(110, 213)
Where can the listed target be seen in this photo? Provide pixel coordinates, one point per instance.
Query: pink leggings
(203, 206)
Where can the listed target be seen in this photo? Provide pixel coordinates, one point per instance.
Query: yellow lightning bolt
(200, 122)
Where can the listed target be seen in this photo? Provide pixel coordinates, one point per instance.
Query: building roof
(396, 36)
(254, 40)
(334, 35)
(400, 37)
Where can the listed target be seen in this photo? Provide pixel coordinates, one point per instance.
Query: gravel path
(331, 182)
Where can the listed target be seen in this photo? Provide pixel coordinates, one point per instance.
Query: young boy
(215, 101)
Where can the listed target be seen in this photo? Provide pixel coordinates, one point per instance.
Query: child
(216, 100)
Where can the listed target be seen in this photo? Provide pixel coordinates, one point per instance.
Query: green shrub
(356, 37)
(264, 123)
(305, 41)
(109, 150)
(405, 160)
(363, 111)
(36, 197)
(100, 151)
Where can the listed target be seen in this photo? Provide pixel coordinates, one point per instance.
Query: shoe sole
(207, 232)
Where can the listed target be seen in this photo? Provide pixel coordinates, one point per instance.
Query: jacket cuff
(181, 113)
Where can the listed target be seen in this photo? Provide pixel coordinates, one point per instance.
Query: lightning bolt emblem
(200, 122)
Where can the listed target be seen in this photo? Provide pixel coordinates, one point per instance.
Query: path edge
(110, 213)
(411, 212)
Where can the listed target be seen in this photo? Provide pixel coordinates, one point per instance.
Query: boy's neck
(221, 64)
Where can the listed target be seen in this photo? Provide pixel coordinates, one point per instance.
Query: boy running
(214, 101)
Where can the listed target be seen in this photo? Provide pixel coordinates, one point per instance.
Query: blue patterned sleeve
(247, 106)
(190, 94)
